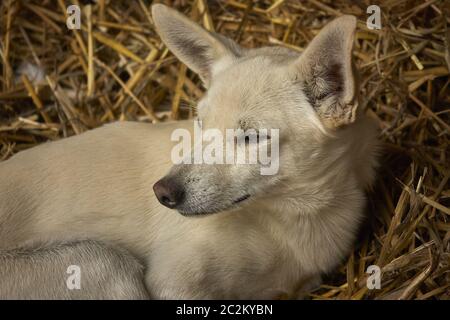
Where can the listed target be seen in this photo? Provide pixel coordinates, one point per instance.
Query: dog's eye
(262, 137)
(257, 137)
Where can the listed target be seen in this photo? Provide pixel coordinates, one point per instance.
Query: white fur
(296, 225)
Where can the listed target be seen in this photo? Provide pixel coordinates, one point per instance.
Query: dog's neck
(305, 219)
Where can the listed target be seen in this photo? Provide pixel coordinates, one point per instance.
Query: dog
(212, 231)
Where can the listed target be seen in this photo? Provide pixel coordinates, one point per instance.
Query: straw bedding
(57, 82)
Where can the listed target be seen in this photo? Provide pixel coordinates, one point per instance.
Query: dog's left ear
(326, 73)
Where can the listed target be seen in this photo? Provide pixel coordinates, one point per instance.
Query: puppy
(214, 231)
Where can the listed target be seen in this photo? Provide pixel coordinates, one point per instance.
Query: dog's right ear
(196, 47)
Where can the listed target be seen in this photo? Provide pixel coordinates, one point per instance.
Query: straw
(57, 82)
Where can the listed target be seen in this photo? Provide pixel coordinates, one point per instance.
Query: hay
(56, 82)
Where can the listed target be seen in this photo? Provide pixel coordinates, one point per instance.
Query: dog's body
(295, 225)
(77, 270)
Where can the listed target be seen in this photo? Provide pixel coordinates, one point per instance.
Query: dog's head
(308, 97)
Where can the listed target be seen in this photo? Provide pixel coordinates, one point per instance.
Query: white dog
(269, 234)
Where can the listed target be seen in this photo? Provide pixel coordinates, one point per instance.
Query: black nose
(168, 192)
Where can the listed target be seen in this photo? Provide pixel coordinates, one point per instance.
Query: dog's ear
(196, 47)
(325, 71)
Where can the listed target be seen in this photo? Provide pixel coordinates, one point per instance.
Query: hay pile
(57, 82)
